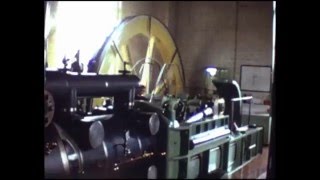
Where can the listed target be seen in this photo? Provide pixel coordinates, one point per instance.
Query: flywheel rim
(158, 27)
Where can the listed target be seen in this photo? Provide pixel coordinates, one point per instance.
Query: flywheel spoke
(147, 68)
(126, 54)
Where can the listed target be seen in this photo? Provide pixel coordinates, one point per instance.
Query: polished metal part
(152, 172)
(154, 124)
(96, 134)
(65, 137)
(97, 117)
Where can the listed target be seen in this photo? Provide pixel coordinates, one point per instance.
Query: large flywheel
(148, 50)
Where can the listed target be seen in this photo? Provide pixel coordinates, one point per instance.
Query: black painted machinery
(130, 138)
(102, 124)
(83, 138)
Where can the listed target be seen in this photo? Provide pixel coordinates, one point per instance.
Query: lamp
(211, 70)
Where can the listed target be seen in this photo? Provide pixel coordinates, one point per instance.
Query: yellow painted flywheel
(148, 49)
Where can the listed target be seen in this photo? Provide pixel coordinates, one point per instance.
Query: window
(81, 26)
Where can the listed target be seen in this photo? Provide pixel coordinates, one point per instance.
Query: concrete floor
(256, 169)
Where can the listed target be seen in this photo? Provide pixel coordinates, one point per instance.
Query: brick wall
(222, 33)
(226, 34)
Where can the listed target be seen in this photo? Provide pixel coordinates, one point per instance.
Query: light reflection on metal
(208, 135)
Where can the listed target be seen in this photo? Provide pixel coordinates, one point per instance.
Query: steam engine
(101, 141)
(96, 127)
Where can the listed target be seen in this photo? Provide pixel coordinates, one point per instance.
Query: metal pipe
(87, 85)
(238, 89)
(242, 98)
(232, 111)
